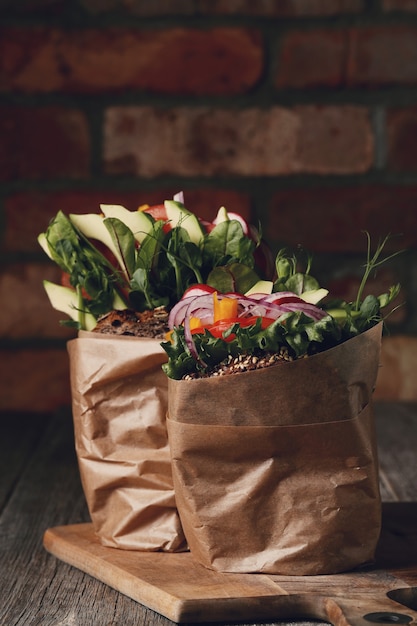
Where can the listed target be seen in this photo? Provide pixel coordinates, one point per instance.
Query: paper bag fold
(119, 402)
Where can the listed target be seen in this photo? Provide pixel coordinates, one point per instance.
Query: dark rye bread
(243, 363)
(151, 324)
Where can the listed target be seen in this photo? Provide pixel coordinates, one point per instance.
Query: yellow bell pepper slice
(168, 336)
(224, 309)
(195, 322)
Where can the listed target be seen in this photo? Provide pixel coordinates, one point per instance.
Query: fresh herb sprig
(372, 262)
(354, 316)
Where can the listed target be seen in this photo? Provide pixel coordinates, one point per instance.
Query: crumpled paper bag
(119, 403)
(276, 470)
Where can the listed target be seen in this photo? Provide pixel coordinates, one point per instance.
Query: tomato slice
(218, 328)
(66, 282)
(286, 299)
(158, 211)
(198, 290)
(208, 226)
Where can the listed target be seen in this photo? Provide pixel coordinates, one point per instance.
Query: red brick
(249, 142)
(26, 311)
(34, 380)
(271, 8)
(177, 60)
(402, 139)
(334, 140)
(43, 143)
(28, 213)
(312, 58)
(332, 219)
(356, 57)
(383, 55)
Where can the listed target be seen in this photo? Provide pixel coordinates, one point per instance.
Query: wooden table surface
(40, 488)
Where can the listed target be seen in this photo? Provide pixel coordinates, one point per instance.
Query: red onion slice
(179, 197)
(237, 218)
(201, 305)
(198, 290)
(272, 297)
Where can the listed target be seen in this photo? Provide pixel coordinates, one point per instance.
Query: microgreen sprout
(372, 262)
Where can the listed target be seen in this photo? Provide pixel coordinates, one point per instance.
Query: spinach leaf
(235, 277)
(124, 241)
(185, 257)
(299, 283)
(144, 294)
(150, 248)
(227, 243)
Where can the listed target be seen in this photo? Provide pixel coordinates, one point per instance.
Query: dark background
(301, 114)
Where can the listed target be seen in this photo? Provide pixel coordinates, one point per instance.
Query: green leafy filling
(295, 331)
(155, 273)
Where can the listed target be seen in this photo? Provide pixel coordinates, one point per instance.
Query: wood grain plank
(181, 589)
(41, 481)
(35, 588)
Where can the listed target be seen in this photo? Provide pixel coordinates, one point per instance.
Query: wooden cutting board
(177, 587)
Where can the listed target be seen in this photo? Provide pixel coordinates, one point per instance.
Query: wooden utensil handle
(365, 610)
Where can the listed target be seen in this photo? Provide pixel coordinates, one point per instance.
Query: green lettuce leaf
(295, 331)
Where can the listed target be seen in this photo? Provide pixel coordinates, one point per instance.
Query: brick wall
(300, 113)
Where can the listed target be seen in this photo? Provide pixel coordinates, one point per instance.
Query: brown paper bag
(119, 401)
(276, 470)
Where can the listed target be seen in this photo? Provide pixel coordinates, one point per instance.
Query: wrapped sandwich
(122, 272)
(271, 425)
(146, 259)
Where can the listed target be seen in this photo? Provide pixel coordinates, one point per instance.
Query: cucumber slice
(178, 215)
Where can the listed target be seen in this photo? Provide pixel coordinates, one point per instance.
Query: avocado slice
(262, 286)
(139, 222)
(92, 226)
(178, 215)
(222, 215)
(341, 314)
(313, 296)
(43, 242)
(66, 300)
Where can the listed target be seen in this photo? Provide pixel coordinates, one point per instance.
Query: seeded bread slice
(244, 363)
(151, 324)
